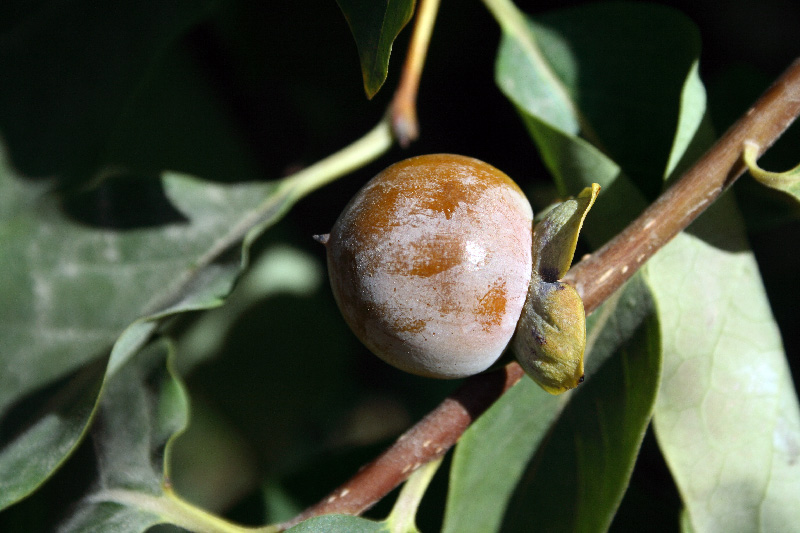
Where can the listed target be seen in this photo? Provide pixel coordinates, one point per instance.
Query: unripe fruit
(430, 264)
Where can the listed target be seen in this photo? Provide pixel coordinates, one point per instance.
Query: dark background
(254, 90)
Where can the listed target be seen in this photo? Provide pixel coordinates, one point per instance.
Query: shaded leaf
(78, 287)
(62, 129)
(375, 25)
(65, 283)
(577, 479)
(52, 424)
(110, 518)
(612, 73)
(144, 405)
(339, 524)
(492, 455)
(73, 288)
(600, 108)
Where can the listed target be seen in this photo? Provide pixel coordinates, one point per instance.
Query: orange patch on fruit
(492, 306)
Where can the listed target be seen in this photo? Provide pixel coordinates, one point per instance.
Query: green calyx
(551, 333)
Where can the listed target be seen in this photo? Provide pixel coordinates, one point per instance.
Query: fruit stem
(403, 108)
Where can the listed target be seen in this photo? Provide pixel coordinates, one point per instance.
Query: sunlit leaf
(375, 25)
(727, 416)
(693, 133)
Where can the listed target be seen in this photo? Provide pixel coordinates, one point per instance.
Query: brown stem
(596, 278)
(429, 439)
(600, 274)
(404, 104)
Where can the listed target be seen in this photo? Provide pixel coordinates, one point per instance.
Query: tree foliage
(170, 352)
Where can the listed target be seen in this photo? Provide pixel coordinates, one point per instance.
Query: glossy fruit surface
(430, 264)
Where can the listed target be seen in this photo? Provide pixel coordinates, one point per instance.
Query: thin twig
(404, 104)
(429, 439)
(596, 278)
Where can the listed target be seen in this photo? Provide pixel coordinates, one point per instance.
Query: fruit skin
(430, 264)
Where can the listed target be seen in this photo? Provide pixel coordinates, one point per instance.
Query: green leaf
(600, 90)
(375, 26)
(65, 282)
(694, 133)
(577, 479)
(73, 288)
(727, 403)
(573, 161)
(63, 129)
(143, 407)
(727, 416)
(47, 431)
(492, 455)
(610, 72)
(788, 182)
(332, 523)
